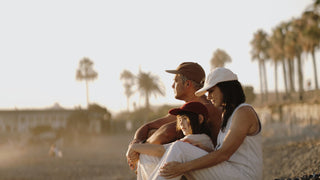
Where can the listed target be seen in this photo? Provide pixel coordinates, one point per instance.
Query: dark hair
(233, 96)
(196, 127)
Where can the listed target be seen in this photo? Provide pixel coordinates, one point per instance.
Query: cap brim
(202, 91)
(175, 111)
(172, 71)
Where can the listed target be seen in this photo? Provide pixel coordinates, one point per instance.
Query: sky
(42, 42)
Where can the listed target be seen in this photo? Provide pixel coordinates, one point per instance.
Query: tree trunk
(128, 104)
(291, 74)
(87, 91)
(261, 84)
(285, 77)
(147, 101)
(300, 77)
(265, 81)
(315, 70)
(276, 79)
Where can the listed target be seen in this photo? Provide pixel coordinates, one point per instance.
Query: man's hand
(171, 170)
(132, 156)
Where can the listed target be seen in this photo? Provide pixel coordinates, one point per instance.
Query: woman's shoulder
(244, 109)
(246, 115)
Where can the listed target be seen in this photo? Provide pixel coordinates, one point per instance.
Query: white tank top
(248, 156)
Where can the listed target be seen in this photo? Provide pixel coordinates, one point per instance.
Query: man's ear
(188, 82)
(201, 118)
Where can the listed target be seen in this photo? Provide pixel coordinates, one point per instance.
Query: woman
(191, 120)
(238, 154)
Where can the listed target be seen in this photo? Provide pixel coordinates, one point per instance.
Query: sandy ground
(104, 158)
(101, 159)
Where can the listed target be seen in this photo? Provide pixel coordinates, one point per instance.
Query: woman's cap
(190, 70)
(216, 76)
(194, 107)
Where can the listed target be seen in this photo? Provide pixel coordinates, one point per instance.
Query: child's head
(191, 118)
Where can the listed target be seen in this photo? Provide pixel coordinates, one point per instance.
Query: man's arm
(142, 133)
(165, 134)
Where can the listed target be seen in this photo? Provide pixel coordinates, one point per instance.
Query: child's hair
(194, 122)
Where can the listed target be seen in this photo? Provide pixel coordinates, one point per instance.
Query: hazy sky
(41, 43)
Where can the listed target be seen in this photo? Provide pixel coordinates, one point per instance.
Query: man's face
(178, 87)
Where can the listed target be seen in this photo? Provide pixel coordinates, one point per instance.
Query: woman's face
(184, 125)
(215, 96)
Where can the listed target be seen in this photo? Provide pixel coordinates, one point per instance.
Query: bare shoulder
(247, 115)
(245, 111)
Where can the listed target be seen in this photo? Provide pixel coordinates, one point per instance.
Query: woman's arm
(199, 144)
(244, 123)
(150, 149)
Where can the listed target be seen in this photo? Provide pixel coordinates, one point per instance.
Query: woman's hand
(171, 170)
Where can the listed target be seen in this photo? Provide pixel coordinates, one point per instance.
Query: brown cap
(194, 107)
(190, 70)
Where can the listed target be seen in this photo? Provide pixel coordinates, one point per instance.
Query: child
(192, 121)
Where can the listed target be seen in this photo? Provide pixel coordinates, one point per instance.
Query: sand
(103, 158)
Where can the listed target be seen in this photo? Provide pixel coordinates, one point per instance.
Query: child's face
(183, 122)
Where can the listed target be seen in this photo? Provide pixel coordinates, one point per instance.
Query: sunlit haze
(42, 42)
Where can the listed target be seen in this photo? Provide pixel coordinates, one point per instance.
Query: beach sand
(103, 158)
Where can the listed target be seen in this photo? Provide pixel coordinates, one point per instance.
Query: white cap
(216, 76)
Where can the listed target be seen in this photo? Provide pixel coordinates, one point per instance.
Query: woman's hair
(194, 122)
(233, 96)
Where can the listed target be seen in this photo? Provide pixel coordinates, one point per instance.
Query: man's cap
(216, 76)
(194, 107)
(191, 70)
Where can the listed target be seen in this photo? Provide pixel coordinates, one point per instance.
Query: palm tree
(149, 84)
(259, 52)
(219, 58)
(310, 38)
(86, 72)
(276, 53)
(288, 55)
(293, 49)
(315, 7)
(128, 83)
(276, 57)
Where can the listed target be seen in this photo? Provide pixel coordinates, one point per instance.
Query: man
(189, 77)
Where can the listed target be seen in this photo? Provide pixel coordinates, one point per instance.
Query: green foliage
(145, 83)
(85, 70)
(220, 58)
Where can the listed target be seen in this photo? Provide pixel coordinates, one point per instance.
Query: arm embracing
(142, 134)
(150, 149)
(244, 122)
